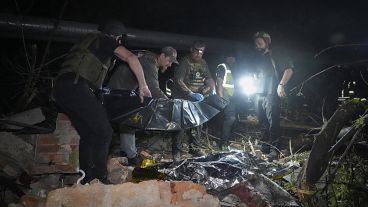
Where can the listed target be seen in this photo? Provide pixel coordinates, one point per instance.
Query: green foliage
(349, 186)
(359, 121)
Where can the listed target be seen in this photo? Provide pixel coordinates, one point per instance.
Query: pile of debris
(50, 165)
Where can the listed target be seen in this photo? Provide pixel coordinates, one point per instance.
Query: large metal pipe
(69, 31)
(38, 28)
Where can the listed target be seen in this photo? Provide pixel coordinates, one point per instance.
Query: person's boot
(86, 180)
(194, 144)
(104, 180)
(88, 176)
(135, 161)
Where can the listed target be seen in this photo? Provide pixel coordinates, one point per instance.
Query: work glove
(196, 96)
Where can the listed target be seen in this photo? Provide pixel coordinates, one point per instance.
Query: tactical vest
(84, 63)
(196, 76)
(227, 83)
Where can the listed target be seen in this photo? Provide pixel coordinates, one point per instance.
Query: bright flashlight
(247, 85)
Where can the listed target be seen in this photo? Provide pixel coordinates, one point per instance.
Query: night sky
(308, 24)
(300, 27)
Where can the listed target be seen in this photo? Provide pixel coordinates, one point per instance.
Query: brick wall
(59, 151)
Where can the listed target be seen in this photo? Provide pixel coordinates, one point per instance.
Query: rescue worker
(273, 74)
(122, 78)
(193, 81)
(225, 89)
(82, 72)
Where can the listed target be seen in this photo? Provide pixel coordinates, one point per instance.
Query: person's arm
(132, 60)
(220, 87)
(220, 75)
(284, 80)
(151, 74)
(179, 75)
(210, 83)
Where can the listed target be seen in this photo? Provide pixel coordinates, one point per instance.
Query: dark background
(311, 25)
(299, 29)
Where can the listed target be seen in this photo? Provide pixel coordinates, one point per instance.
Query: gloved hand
(196, 96)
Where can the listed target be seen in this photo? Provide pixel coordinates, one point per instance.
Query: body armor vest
(84, 63)
(196, 76)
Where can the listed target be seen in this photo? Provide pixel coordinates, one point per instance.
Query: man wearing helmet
(273, 74)
(82, 72)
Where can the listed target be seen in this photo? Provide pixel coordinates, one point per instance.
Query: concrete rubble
(57, 153)
(148, 193)
(31, 116)
(16, 154)
(118, 171)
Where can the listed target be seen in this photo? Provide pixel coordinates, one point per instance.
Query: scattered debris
(232, 173)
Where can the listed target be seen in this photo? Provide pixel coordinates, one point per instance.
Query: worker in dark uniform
(273, 73)
(82, 72)
(123, 78)
(193, 81)
(225, 89)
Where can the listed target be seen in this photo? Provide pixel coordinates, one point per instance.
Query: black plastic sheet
(220, 172)
(124, 108)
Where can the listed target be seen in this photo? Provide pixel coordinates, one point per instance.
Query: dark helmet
(264, 35)
(113, 27)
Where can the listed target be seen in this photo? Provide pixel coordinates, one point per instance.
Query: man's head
(167, 57)
(262, 41)
(230, 60)
(113, 28)
(197, 50)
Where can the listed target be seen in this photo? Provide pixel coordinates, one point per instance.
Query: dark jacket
(123, 77)
(269, 70)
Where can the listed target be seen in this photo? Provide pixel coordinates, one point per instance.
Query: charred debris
(323, 162)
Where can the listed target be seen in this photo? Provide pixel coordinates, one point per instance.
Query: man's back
(123, 77)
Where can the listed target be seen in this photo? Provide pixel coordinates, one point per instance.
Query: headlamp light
(247, 85)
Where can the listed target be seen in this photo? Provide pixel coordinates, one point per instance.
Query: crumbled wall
(57, 152)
